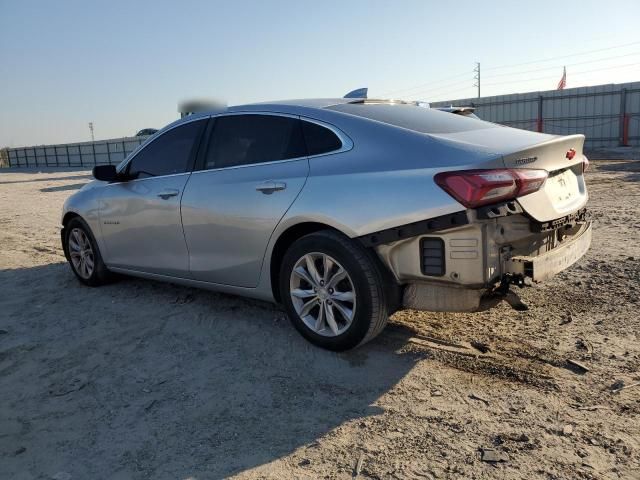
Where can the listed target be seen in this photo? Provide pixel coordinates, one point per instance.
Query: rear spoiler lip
(453, 109)
(528, 153)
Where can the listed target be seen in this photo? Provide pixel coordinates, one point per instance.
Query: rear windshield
(419, 119)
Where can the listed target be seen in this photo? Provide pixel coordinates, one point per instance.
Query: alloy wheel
(323, 294)
(81, 253)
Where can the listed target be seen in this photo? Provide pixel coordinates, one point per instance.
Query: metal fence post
(80, 152)
(68, 156)
(93, 148)
(623, 130)
(540, 125)
(108, 153)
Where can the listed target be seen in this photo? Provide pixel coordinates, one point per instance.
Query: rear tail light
(530, 181)
(473, 188)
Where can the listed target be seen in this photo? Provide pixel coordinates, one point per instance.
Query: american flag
(563, 81)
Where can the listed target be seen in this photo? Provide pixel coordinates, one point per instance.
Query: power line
(555, 76)
(442, 92)
(467, 90)
(425, 84)
(563, 56)
(446, 88)
(420, 87)
(560, 66)
(440, 89)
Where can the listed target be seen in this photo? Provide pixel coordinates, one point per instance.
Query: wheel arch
(93, 227)
(299, 230)
(68, 217)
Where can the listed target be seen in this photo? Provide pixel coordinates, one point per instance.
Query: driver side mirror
(106, 173)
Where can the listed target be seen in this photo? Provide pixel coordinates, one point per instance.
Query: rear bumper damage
(469, 267)
(542, 267)
(442, 298)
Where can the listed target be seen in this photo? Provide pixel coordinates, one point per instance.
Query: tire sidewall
(362, 319)
(97, 275)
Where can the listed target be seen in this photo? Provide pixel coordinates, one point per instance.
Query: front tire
(82, 252)
(333, 290)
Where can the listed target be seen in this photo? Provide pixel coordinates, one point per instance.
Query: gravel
(142, 380)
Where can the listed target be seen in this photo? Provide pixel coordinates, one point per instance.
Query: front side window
(168, 154)
(249, 139)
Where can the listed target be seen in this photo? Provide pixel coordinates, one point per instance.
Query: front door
(140, 218)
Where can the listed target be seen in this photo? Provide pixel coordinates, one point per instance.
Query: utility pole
(476, 77)
(91, 129)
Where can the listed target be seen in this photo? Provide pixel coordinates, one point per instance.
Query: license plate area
(562, 188)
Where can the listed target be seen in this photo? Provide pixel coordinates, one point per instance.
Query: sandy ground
(148, 380)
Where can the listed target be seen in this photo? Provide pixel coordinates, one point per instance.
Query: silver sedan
(342, 210)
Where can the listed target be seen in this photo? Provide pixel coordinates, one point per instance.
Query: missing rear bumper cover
(414, 229)
(568, 221)
(541, 267)
(499, 210)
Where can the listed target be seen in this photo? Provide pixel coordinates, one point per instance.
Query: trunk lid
(564, 191)
(478, 144)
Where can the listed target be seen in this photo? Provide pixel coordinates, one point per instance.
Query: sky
(125, 65)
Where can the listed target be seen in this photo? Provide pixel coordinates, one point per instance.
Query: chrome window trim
(235, 167)
(152, 139)
(347, 143)
(148, 178)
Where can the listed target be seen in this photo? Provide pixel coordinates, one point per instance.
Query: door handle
(270, 186)
(168, 193)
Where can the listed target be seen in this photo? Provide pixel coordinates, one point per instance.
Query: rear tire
(339, 299)
(81, 250)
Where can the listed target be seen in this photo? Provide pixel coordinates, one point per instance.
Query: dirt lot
(147, 380)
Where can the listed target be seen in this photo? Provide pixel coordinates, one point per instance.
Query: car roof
(302, 102)
(304, 106)
(292, 106)
(282, 106)
(315, 103)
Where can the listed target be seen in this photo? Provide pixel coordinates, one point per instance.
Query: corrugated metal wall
(74, 154)
(608, 115)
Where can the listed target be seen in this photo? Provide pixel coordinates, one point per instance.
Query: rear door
(140, 218)
(252, 170)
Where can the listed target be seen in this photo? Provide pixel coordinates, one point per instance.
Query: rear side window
(248, 139)
(319, 139)
(168, 154)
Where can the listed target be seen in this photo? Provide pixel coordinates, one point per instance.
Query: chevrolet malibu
(343, 211)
